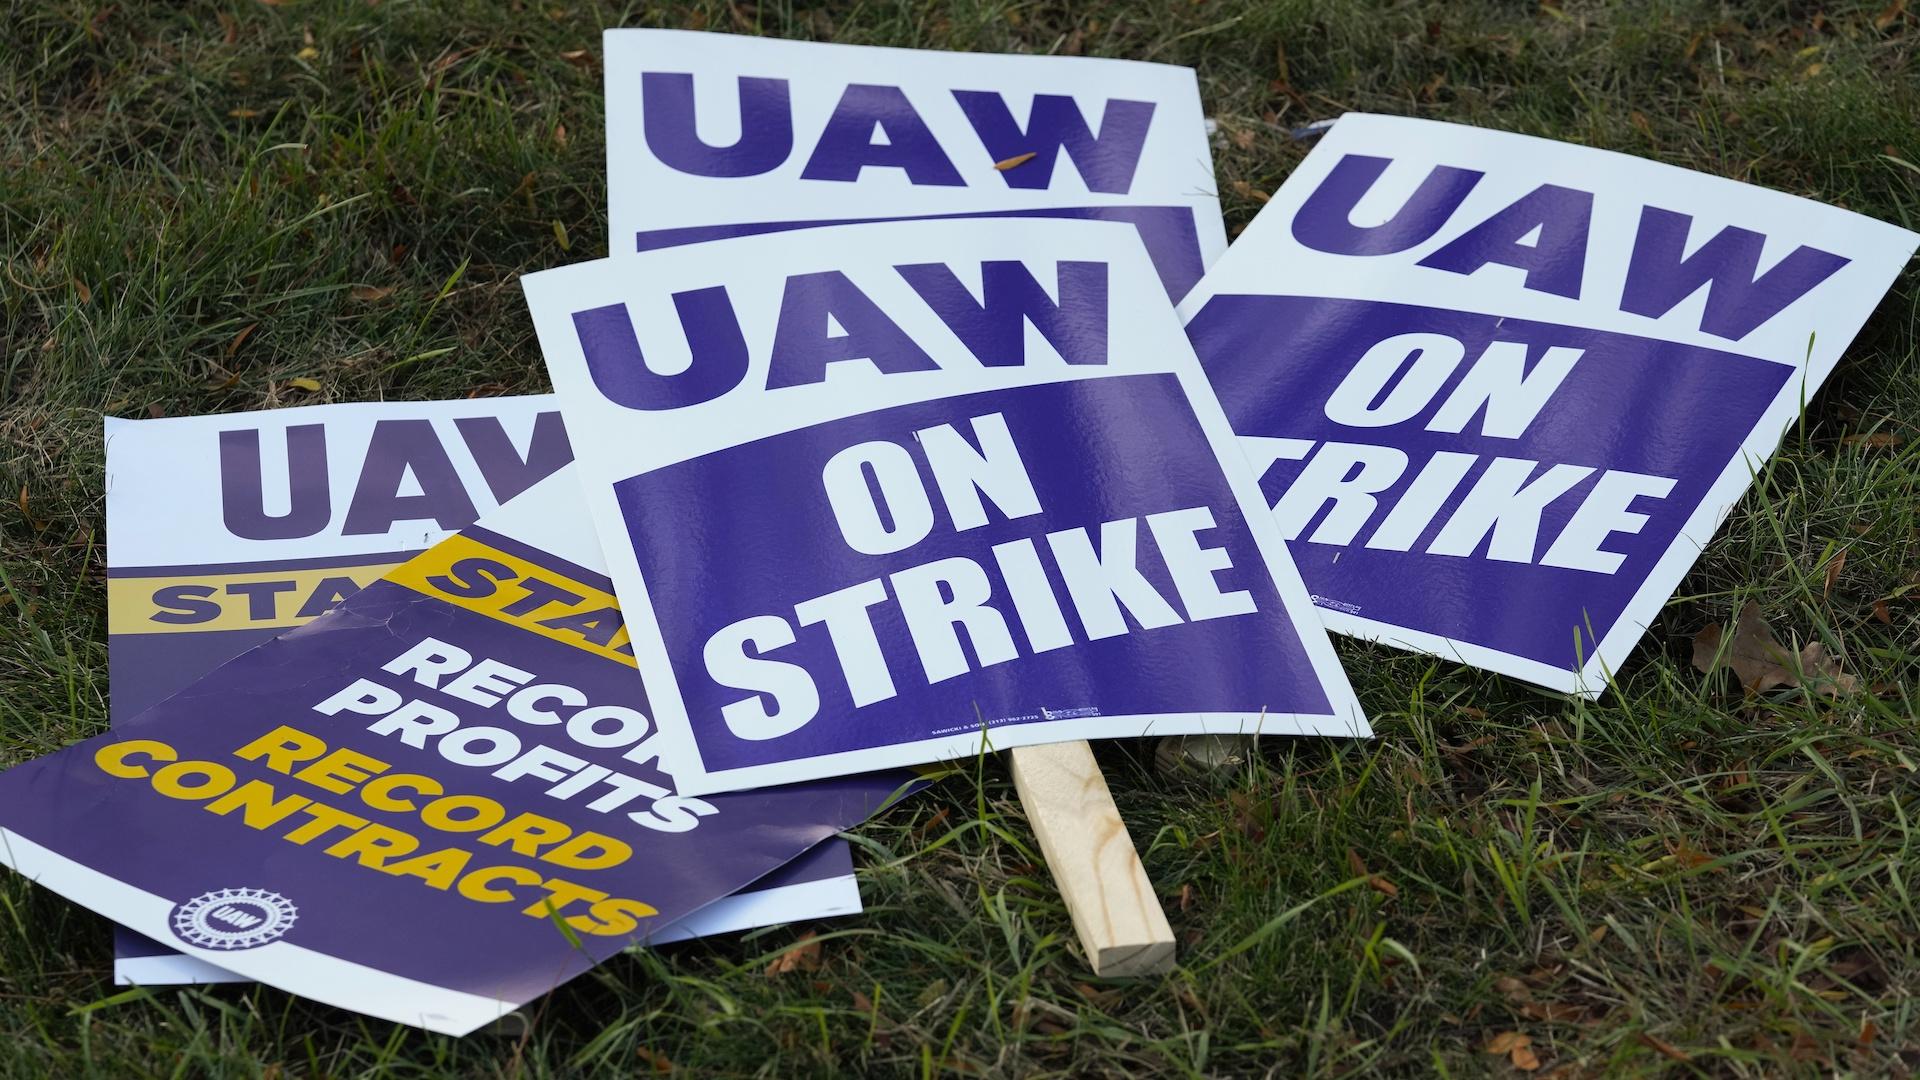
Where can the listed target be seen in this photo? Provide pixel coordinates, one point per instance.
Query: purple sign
(892, 493)
(1500, 390)
(461, 745)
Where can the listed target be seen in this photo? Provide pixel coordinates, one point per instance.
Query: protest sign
(891, 493)
(1500, 390)
(714, 135)
(223, 532)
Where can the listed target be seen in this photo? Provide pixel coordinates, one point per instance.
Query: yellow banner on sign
(210, 600)
(500, 585)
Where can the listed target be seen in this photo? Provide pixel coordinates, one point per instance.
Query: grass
(200, 202)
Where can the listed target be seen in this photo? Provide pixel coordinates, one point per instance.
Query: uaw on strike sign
(892, 493)
(1500, 390)
(714, 135)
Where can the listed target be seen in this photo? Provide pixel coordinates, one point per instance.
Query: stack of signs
(460, 745)
(223, 532)
(894, 448)
(889, 493)
(1502, 390)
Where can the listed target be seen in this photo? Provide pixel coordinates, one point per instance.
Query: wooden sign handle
(1093, 860)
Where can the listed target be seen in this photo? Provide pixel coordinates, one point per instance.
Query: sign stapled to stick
(461, 747)
(714, 135)
(893, 493)
(1501, 390)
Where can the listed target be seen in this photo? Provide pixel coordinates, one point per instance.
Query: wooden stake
(1093, 860)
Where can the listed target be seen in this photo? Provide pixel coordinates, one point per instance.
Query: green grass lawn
(201, 204)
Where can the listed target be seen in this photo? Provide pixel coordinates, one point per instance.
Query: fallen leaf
(1761, 663)
(1243, 138)
(1888, 14)
(311, 386)
(1514, 990)
(215, 385)
(1523, 1058)
(1383, 886)
(1014, 162)
(861, 1002)
(1504, 1042)
(86, 294)
(559, 134)
(1868, 1032)
(1877, 440)
(579, 58)
(804, 955)
(308, 53)
(1882, 613)
(1186, 896)
(234, 345)
(1665, 1048)
(230, 27)
(656, 1061)
(1834, 566)
(370, 293)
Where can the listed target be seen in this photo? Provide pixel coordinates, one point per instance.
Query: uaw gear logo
(234, 919)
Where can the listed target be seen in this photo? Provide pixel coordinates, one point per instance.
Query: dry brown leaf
(1762, 663)
(1877, 440)
(1504, 1042)
(861, 1002)
(1383, 886)
(370, 293)
(239, 338)
(804, 955)
(86, 294)
(1014, 162)
(656, 1061)
(1888, 14)
(1514, 990)
(559, 134)
(311, 386)
(1667, 1049)
(230, 28)
(1882, 613)
(580, 58)
(1834, 566)
(1523, 1058)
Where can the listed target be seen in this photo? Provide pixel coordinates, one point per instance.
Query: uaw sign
(1501, 390)
(224, 532)
(893, 493)
(712, 135)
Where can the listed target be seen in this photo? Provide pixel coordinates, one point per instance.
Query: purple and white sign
(715, 135)
(900, 492)
(1500, 390)
(462, 745)
(224, 532)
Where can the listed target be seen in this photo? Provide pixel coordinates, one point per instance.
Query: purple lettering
(243, 488)
(847, 145)
(667, 117)
(994, 328)
(1739, 298)
(619, 369)
(400, 448)
(506, 472)
(1325, 221)
(804, 342)
(1106, 161)
(1555, 262)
